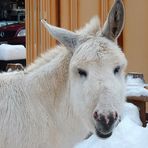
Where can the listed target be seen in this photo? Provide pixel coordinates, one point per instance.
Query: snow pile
(135, 87)
(128, 134)
(12, 52)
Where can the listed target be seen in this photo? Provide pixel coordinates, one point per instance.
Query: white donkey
(68, 92)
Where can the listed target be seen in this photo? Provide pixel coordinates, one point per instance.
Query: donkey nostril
(115, 115)
(95, 115)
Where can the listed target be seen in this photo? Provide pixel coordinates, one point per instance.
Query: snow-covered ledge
(12, 52)
(135, 87)
(137, 93)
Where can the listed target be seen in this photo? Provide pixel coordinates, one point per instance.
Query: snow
(12, 52)
(128, 134)
(135, 87)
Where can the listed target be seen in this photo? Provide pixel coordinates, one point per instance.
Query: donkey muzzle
(104, 124)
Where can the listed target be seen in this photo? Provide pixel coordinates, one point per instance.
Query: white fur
(49, 105)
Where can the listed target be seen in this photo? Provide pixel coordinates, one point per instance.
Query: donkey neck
(48, 76)
(50, 82)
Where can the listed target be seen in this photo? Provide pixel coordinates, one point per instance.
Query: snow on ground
(128, 134)
(12, 52)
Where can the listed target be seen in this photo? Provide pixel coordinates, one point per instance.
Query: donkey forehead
(97, 50)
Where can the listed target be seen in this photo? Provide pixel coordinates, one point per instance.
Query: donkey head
(96, 71)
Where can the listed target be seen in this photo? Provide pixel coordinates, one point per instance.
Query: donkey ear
(67, 38)
(114, 23)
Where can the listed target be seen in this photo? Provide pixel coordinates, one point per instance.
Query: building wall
(135, 38)
(38, 39)
(72, 14)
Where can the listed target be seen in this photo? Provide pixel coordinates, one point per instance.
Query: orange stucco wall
(73, 14)
(135, 37)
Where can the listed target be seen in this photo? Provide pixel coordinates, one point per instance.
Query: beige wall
(73, 14)
(38, 39)
(135, 36)
(70, 14)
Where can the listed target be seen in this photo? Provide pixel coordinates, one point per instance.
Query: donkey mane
(47, 57)
(90, 29)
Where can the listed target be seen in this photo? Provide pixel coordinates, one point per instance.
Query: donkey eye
(116, 70)
(82, 72)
